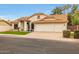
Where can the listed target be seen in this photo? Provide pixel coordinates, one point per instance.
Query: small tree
(75, 20)
(69, 17)
(72, 17)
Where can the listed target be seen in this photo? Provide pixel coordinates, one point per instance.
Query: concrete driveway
(45, 35)
(49, 36)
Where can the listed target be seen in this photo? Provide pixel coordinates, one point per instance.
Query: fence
(73, 28)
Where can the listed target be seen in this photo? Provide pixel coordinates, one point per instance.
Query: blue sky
(13, 11)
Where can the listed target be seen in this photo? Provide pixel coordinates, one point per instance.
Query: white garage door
(59, 27)
(50, 27)
(43, 27)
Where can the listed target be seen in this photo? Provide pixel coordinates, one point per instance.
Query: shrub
(72, 35)
(66, 34)
(76, 34)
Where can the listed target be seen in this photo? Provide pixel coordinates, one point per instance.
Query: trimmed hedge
(69, 34)
(66, 34)
(76, 34)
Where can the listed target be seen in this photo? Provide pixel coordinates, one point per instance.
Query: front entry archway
(28, 25)
(32, 26)
(15, 26)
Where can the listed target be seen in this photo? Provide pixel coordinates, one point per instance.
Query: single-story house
(51, 23)
(42, 22)
(4, 26)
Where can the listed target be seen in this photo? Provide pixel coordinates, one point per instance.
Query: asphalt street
(19, 45)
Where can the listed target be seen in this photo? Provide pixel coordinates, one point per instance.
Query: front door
(32, 26)
(15, 26)
(28, 26)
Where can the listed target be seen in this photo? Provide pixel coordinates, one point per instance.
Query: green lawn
(15, 32)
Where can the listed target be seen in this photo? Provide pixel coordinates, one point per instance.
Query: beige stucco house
(4, 26)
(51, 23)
(42, 22)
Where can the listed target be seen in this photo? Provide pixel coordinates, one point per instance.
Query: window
(38, 17)
(64, 24)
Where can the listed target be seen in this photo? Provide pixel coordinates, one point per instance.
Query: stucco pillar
(19, 25)
(12, 26)
(30, 26)
(25, 26)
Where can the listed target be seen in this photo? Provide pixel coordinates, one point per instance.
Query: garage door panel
(43, 27)
(49, 27)
(59, 27)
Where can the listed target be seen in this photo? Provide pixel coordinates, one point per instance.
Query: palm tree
(57, 10)
(65, 7)
(69, 17)
(61, 9)
(74, 8)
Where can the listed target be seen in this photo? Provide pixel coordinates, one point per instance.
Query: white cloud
(8, 17)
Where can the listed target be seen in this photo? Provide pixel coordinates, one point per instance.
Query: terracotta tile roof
(53, 19)
(38, 14)
(23, 19)
(14, 21)
(27, 18)
(20, 19)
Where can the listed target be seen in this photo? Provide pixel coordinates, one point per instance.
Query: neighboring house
(52, 23)
(42, 22)
(14, 24)
(4, 26)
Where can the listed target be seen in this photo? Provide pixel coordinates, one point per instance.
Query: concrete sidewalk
(11, 35)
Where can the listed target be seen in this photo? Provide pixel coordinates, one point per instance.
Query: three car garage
(50, 27)
(52, 23)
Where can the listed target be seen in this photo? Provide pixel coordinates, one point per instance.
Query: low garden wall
(5, 28)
